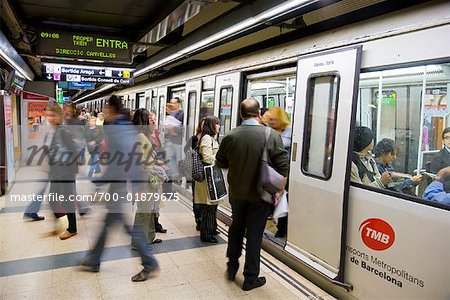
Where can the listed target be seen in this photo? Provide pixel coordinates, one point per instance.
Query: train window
(207, 104)
(192, 105)
(407, 113)
(277, 90)
(320, 124)
(226, 97)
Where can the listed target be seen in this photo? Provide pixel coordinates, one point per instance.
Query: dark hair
(209, 127)
(263, 110)
(199, 127)
(249, 108)
(363, 138)
(176, 98)
(385, 146)
(115, 103)
(446, 130)
(141, 118)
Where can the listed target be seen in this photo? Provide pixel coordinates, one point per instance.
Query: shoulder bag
(270, 180)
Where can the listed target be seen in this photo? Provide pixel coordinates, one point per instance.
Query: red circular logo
(377, 234)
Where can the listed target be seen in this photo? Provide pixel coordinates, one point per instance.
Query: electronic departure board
(83, 46)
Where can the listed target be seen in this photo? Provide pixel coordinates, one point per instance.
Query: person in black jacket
(192, 143)
(442, 158)
(241, 151)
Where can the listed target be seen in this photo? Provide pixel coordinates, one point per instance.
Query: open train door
(320, 161)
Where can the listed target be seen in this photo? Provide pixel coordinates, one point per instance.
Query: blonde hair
(278, 113)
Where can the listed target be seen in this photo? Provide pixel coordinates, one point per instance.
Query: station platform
(34, 265)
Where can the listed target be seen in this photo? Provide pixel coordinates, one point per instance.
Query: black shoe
(156, 241)
(279, 234)
(197, 227)
(232, 268)
(212, 240)
(33, 217)
(160, 229)
(86, 266)
(247, 286)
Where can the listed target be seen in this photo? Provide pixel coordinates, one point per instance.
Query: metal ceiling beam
(12, 58)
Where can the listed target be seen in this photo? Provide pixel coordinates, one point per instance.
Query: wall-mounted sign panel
(71, 73)
(83, 46)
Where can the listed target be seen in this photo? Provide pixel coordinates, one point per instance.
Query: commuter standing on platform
(121, 140)
(207, 149)
(241, 151)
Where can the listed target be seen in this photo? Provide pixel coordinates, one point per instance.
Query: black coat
(440, 160)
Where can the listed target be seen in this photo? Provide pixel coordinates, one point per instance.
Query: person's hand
(416, 179)
(386, 178)
(278, 198)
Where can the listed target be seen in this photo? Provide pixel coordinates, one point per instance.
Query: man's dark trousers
(249, 217)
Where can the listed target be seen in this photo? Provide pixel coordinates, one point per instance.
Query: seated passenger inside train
(385, 154)
(364, 168)
(442, 158)
(438, 190)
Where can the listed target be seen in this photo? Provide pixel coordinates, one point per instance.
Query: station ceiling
(145, 23)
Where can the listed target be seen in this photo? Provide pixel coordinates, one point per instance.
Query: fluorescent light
(106, 87)
(13, 64)
(239, 27)
(277, 10)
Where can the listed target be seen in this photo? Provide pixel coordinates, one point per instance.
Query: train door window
(154, 104)
(192, 104)
(406, 109)
(162, 110)
(320, 124)
(140, 103)
(275, 88)
(207, 104)
(226, 98)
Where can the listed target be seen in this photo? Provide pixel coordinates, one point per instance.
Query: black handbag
(270, 180)
(191, 166)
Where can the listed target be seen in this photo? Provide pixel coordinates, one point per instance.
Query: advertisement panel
(36, 118)
(396, 249)
(9, 138)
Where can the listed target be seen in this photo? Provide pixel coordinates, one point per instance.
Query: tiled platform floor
(33, 266)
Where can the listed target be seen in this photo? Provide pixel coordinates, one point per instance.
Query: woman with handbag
(94, 136)
(145, 183)
(208, 147)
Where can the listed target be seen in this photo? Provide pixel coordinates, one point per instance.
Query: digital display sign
(83, 46)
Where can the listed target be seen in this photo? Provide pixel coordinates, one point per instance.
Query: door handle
(294, 152)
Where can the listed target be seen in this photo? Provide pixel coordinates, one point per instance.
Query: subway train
(391, 74)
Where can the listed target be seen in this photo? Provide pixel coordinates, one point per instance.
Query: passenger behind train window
(385, 153)
(442, 158)
(438, 190)
(364, 168)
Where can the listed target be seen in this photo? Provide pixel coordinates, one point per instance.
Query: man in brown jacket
(241, 151)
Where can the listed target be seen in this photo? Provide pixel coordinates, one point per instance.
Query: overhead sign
(83, 46)
(59, 72)
(81, 85)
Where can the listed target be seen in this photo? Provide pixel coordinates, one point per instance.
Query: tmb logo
(377, 234)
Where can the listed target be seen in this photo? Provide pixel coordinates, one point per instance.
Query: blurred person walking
(121, 139)
(94, 136)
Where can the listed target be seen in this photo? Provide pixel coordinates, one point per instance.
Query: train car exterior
(391, 74)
